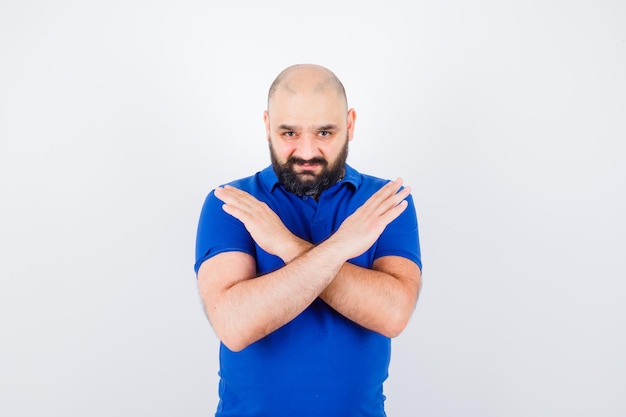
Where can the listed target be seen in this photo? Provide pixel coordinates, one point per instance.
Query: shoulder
(257, 184)
(364, 183)
(372, 182)
(250, 184)
(262, 182)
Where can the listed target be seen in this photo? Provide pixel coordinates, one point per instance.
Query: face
(308, 134)
(298, 179)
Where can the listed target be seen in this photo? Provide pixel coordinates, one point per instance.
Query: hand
(265, 227)
(359, 231)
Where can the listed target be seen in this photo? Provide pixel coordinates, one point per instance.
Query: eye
(324, 133)
(289, 134)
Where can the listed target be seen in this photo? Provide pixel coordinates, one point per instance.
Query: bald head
(307, 78)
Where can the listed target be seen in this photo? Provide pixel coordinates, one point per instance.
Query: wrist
(337, 247)
(294, 248)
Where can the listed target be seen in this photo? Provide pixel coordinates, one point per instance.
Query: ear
(266, 119)
(351, 122)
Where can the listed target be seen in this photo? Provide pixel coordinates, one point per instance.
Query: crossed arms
(243, 310)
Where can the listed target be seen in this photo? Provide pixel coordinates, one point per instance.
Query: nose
(307, 147)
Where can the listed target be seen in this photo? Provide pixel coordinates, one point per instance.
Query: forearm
(245, 310)
(253, 308)
(374, 299)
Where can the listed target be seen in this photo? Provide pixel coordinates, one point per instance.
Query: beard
(306, 183)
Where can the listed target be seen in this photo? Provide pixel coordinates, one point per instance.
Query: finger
(392, 202)
(230, 192)
(234, 204)
(388, 190)
(389, 196)
(222, 194)
(234, 196)
(247, 215)
(401, 195)
(390, 215)
(236, 212)
(383, 193)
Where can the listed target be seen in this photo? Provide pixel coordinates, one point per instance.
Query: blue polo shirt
(320, 363)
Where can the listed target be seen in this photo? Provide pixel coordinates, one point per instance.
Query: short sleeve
(401, 237)
(219, 232)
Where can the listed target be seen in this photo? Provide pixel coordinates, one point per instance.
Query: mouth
(309, 166)
(306, 173)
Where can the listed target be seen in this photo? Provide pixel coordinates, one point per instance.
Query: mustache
(294, 160)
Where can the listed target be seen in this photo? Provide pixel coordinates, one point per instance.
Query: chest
(314, 221)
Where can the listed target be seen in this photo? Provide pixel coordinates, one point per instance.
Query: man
(307, 268)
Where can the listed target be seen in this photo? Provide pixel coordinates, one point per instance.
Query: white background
(507, 118)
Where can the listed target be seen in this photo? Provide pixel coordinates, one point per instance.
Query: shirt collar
(270, 179)
(352, 176)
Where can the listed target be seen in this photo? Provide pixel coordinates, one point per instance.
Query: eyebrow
(293, 128)
(287, 127)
